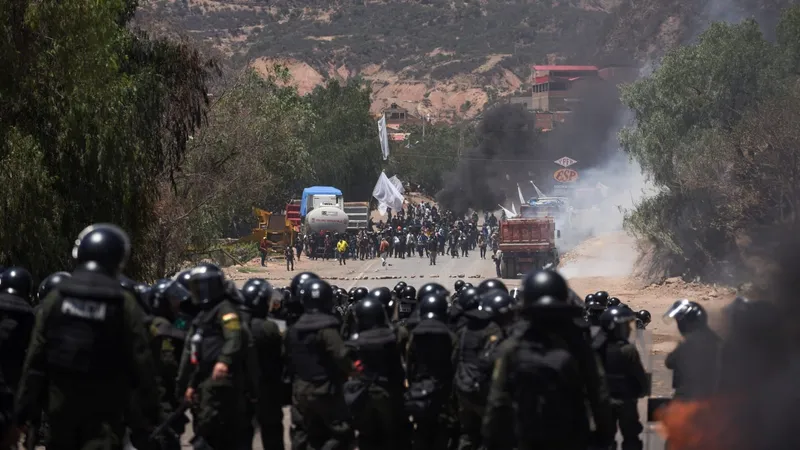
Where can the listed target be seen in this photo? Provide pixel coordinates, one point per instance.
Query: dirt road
(601, 263)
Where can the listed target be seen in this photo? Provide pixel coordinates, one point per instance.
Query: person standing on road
(384, 250)
(216, 363)
(627, 380)
(319, 364)
(341, 250)
(298, 246)
(482, 245)
(433, 248)
(498, 261)
(89, 354)
(263, 248)
(289, 255)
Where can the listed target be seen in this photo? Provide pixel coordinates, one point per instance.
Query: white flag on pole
(387, 195)
(521, 197)
(398, 184)
(383, 136)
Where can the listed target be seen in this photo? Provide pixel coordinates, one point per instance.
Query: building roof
(549, 78)
(566, 68)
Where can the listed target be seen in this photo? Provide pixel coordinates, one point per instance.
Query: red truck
(527, 244)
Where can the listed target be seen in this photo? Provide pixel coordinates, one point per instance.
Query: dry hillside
(441, 56)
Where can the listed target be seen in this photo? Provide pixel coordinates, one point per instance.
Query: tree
(425, 161)
(253, 152)
(344, 145)
(715, 129)
(91, 115)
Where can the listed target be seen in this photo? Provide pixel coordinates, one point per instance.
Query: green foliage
(425, 162)
(91, 115)
(344, 146)
(715, 131)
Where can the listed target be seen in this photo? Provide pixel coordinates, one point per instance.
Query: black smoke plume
(506, 135)
(511, 151)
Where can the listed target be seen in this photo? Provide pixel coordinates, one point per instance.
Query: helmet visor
(677, 309)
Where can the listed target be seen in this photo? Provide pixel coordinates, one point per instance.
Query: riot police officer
(696, 361)
(47, 285)
(643, 319)
(490, 285)
(471, 381)
(90, 350)
(546, 375)
(268, 342)
(320, 365)
(627, 380)
(430, 367)
(167, 342)
(468, 300)
(348, 325)
(216, 360)
(375, 392)
(17, 317)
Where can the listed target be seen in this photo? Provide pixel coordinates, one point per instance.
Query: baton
(184, 406)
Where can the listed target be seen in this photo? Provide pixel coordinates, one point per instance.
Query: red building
(558, 89)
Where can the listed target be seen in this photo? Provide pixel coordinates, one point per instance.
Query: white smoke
(595, 235)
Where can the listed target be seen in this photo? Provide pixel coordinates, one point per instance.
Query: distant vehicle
(528, 243)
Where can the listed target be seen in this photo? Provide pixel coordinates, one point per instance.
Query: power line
(422, 155)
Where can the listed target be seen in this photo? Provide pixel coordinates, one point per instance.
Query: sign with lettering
(565, 176)
(565, 161)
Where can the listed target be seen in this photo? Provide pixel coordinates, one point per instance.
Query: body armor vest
(306, 358)
(433, 347)
(85, 328)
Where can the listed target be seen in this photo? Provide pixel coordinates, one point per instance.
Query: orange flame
(697, 425)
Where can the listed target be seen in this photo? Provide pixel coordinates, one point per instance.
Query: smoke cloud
(506, 137)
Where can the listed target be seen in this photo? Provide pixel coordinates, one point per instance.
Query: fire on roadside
(698, 424)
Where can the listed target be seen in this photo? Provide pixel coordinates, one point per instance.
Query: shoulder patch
(230, 316)
(230, 322)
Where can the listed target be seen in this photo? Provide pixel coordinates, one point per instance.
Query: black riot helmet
(409, 293)
(497, 303)
(207, 285)
(751, 317)
(18, 282)
(616, 321)
(516, 295)
(298, 280)
(490, 285)
(459, 285)
(589, 298)
(469, 299)
(317, 295)
(602, 297)
(359, 294)
(340, 296)
(614, 301)
(369, 314)
(544, 283)
(689, 315)
(383, 295)
(183, 278)
(130, 286)
(432, 288)
(433, 306)
(643, 319)
(257, 294)
(49, 283)
(103, 246)
(398, 288)
(166, 298)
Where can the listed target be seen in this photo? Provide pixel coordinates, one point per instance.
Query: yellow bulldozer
(276, 227)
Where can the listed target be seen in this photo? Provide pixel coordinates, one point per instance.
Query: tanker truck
(322, 209)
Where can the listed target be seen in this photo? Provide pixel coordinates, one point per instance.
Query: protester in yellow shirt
(341, 249)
